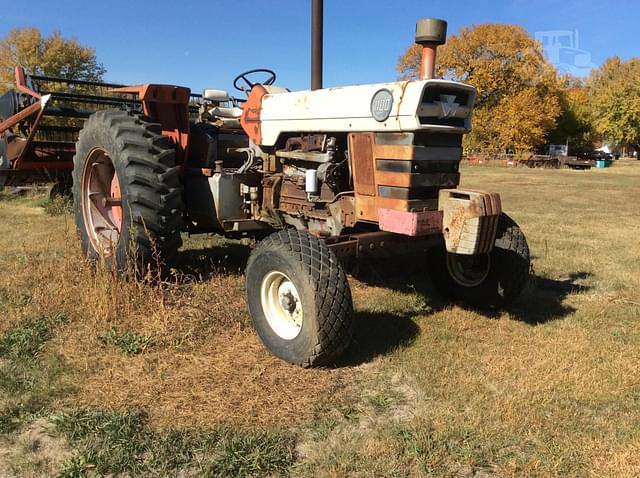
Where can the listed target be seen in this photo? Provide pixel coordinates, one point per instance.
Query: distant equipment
(558, 150)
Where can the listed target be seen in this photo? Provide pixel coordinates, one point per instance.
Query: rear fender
(169, 106)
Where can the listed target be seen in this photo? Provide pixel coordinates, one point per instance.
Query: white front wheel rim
(281, 305)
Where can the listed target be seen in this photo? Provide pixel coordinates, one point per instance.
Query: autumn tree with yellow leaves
(614, 102)
(575, 125)
(52, 55)
(519, 94)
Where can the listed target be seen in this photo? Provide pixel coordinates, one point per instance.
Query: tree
(614, 100)
(50, 56)
(575, 123)
(518, 99)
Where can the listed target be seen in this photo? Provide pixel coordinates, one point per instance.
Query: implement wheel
(299, 298)
(126, 191)
(62, 187)
(485, 281)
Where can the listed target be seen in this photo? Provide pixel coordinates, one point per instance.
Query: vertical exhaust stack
(316, 43)
(430, 33)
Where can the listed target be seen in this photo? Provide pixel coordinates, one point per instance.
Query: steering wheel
(249, 84)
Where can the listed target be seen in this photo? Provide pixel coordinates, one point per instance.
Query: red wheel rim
(101, 202)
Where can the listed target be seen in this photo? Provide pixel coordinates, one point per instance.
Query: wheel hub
(281, 305)
(288, 302)
(468, 270)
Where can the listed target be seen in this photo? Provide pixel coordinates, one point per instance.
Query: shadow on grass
(543, 299)
(402, 274)
(203, 263)
(378, 334)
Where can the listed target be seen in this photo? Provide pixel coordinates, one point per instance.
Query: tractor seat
(216, 96)
(226, 111)
(221, 107)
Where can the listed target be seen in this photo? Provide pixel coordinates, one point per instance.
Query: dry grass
(550, 387)
(203, 365)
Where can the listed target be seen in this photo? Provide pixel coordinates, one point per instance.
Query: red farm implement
(40, 121)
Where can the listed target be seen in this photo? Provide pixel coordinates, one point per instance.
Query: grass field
(100, 376)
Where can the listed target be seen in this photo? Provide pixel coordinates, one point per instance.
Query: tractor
(314, 177)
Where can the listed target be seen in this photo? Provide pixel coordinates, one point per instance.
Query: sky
(205, 44)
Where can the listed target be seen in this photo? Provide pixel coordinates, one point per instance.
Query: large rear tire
(487, 281)
(299, 298)
(126, 190)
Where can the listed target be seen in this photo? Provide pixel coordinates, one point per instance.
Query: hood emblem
(381, 105)
(448, 105)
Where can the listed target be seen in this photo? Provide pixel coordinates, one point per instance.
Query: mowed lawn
(101, 376)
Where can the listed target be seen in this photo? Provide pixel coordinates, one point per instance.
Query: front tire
(486, 281)
(299, 298)
(127, 192)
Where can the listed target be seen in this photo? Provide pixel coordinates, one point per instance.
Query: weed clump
(14, 298)
(127, 342)
(58, 206)
(27, 338)
(122, 443)
(29, 380)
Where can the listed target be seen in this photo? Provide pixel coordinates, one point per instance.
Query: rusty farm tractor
(314, 176)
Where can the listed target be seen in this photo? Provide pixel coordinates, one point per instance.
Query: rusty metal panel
(271, 191)
(402, 180)
(400, 152)
(391, 173)
(422, 153)
(417, 166)
(251, 114)
(410, 180)
(380, 244)
(407, 205)
(395, 192)
(394, 138)
(343, 211)
(366, 208)
(361, 155)
(390, 203)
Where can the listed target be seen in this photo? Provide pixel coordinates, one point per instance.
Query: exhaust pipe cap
(431, 31)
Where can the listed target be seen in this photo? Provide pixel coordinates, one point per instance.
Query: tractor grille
(432, 94)
(444, 105)
(411, 168)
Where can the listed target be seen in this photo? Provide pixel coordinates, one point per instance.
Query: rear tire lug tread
(150, 176)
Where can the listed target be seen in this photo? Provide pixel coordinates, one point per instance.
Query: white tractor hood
(403, 106)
